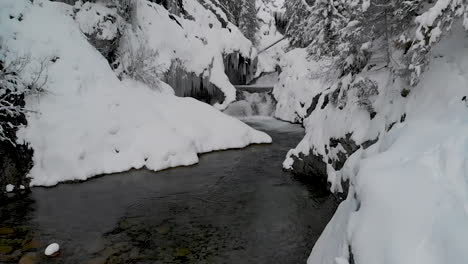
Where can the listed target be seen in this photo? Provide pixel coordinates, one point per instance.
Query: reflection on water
(235, 206)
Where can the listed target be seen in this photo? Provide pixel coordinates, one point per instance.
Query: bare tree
(13, 89)
(140, 63)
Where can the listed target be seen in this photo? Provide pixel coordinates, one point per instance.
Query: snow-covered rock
(88, 122)
(9, 188)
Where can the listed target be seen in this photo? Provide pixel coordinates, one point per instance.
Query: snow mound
(90, 123)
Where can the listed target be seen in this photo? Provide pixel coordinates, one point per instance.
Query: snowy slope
(197, 43)
(88, 122)
(408, 200)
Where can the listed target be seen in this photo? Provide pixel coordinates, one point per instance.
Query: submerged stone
(4, 249)
(6, 231)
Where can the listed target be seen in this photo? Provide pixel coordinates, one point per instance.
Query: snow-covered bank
(408, 193)
(88, 122)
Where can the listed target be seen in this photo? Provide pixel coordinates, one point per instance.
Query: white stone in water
(10, 188)
(52, 249)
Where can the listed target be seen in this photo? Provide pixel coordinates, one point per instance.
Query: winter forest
(234, 131)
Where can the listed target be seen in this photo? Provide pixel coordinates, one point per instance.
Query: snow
(299, 80)
(408, 202)
(93, 16)
(9, 188)
(365, 5)
(198, 43)
(52, 249)
(267, 79)
(89, 123)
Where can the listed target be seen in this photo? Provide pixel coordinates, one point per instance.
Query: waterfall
(252, 104)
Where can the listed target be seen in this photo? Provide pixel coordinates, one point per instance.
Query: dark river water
(235, 206)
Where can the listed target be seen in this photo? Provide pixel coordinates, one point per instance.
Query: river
(235, 206)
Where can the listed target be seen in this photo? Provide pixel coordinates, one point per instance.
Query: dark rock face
(15, 159)
(314, 166)
(175, 7)
(369, 142)
(189, 84)
(348, 144)
(314, 104)
(281, 22)
(351, 256)
(15, 163)
(108, 48)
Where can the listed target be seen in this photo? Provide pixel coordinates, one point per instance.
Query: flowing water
(235, 206)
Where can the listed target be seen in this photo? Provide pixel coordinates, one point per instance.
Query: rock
(10, 257)
(6, 231)
(9, 188)
(31, 245)
(163, 229)
(29, 258)
(15, 163)
(313, 167)
(98, 260)
(182, 252)
(4, 249)
(52, 250)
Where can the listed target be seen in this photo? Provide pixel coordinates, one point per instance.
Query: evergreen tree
(430, 27)
(324, 25)
(297, 14)
(248, 19)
